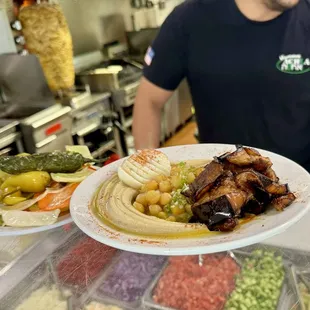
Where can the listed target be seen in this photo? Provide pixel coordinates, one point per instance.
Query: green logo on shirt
(293, 64)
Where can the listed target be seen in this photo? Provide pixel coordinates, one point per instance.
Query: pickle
(11, 200)
(54, 162)
(29, 182)
(11, 191)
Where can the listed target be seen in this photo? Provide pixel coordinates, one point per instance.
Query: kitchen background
(109, 38)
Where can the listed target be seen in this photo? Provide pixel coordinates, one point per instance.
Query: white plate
(263, 227)
(16, 231)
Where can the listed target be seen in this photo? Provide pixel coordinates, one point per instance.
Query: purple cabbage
(130, 276)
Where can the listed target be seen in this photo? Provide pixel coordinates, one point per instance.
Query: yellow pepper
(29, 182)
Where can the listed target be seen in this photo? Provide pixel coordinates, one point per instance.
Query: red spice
(185, 285)
(84, 262)
(145, 156)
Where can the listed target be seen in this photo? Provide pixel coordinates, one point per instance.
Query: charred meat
(215, 213)
(250, 180)
(204, 181)
(247, 158)
(233, 185)
(280, 203)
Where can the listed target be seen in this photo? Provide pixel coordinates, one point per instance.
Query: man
(247, 63)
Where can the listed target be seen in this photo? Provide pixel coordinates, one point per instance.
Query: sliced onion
(15, 218)
(29, 203)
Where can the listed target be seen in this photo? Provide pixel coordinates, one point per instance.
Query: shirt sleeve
(166, 59)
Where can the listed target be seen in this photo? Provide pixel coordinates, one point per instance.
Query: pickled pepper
(54, 162)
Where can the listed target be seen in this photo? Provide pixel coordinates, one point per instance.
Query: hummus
(113, 204)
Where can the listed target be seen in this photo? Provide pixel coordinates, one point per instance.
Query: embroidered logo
(293, 64)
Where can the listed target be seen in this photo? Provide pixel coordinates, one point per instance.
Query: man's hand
(147, 114)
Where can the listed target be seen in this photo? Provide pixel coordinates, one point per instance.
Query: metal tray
(238, 256)
(299, 275)
(7, 263)
(92, 294)
(31, 260)
(23, 290)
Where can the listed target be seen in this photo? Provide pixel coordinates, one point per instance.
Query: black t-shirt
(250, 81)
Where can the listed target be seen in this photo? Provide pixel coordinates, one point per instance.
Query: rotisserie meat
(234, 185)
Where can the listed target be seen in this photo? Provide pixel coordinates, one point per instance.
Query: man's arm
(165, 67)
(147, 114)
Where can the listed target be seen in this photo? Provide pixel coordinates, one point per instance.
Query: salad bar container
(69, 270)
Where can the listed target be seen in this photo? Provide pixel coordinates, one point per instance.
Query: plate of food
(35, 190)
(192, 199)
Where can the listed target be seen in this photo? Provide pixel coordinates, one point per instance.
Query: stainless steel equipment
(23, 86)
(48, 130)
(10, 138)
(111, 75)
(93, 123)
(122, 83)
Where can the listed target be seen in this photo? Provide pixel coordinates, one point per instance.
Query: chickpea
(165, 187)
(138, 206)
(165, 198)
(190, 177)
(141, 198)
(188, 209)
(177, 210)
(152, 185)
(171, 219)
(155, 210)
(162, 215)
(176, 181)
(160, 178)
(152, 197)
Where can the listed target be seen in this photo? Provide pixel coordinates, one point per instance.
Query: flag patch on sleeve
(149, 56)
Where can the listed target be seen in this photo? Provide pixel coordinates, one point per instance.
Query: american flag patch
(149, 56)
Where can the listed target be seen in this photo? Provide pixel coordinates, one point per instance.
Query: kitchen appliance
(23, 86)
(94, 123)
(48, 130)
(10, 138)
(120, 76)
(111, 75)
